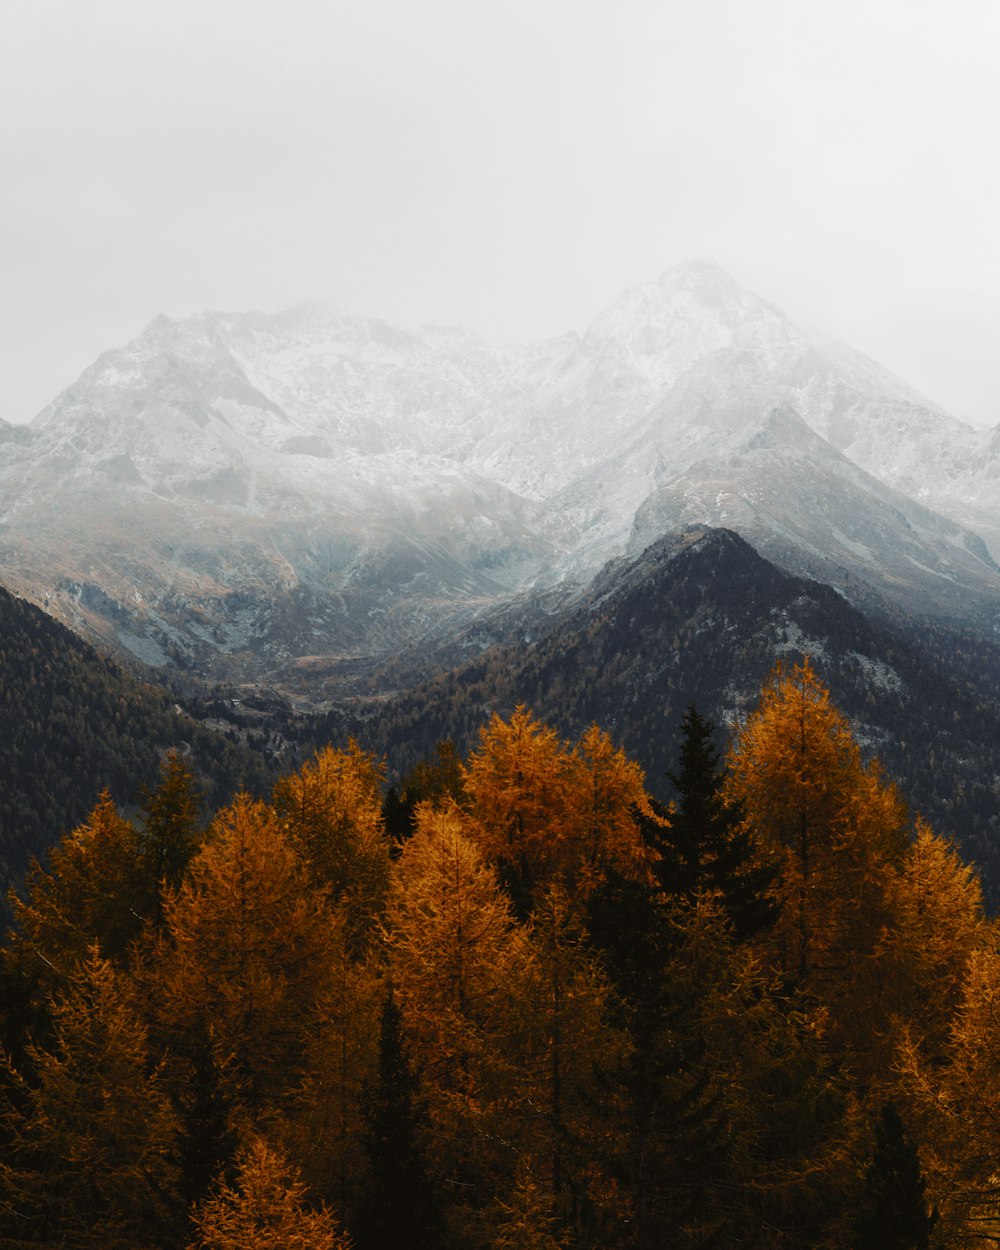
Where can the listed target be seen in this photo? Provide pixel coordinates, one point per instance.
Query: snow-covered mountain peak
(313, 450)
(668, 365)
(704, 279)
(656, 330)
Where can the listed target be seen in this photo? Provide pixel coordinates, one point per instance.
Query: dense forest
(76, 723)
(512, 1004)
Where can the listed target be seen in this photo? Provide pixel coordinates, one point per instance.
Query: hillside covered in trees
(516, 1004)
(75, 723)
(701, 617)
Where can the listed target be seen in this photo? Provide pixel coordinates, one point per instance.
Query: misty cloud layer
(505, 166)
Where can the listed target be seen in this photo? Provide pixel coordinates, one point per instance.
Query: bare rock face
(234, 492)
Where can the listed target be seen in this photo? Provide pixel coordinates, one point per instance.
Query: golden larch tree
(267, 1208)
(546, 812)
(937, 923)
(247, 954)
(331, 811)
(92, 1136)
(459, 963)
(954, 1103)
(91, 892)
(842, 832)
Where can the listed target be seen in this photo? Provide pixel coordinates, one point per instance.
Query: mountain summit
(237, 492)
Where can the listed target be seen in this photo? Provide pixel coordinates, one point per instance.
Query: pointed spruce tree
(708, 845)
(169, 835)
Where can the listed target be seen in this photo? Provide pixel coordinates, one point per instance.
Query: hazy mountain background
(239, 495)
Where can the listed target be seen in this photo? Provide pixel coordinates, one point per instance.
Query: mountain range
(397, 532)
(261, 497)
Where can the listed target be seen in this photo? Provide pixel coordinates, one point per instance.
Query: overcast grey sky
(508, 165)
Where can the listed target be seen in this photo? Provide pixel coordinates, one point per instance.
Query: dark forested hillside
(74, 724)
(698, 617)
(702, 618)
(542, 1015)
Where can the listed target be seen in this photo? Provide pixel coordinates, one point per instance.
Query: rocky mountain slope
(242, 494)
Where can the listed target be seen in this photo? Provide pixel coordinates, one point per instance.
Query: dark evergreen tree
(170, 827)
(893, 1211)
(431, 780)
(672, 1130)
(207, 1142)
(402, 1208)
(708, 845)
(398, 808)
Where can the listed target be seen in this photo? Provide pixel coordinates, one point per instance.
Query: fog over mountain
(238, 493)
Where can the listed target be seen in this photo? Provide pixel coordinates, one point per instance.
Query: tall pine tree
(708, 845)
(170, 827)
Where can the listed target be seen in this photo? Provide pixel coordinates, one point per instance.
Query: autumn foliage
(517, 1004)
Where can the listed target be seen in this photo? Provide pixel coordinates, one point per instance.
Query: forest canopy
(514, 1003)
